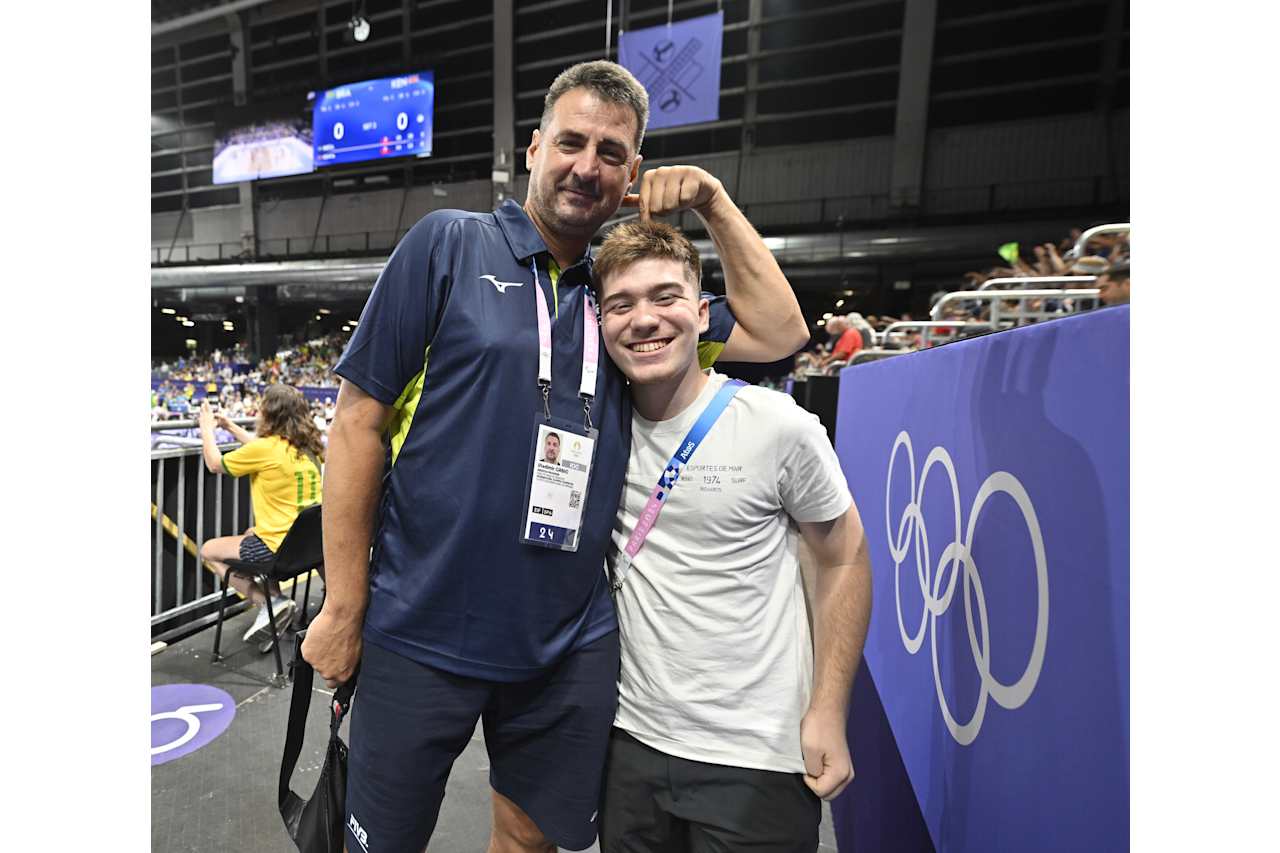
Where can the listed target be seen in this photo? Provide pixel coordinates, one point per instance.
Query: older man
(485, 597)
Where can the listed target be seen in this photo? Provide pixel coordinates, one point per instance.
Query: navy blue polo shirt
(449, 338)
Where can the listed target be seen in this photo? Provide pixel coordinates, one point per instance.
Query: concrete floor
(223, 796)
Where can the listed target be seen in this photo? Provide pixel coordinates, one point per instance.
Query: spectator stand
(1007, 309)
(1082, 242)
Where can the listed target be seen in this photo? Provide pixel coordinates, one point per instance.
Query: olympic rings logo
(957, 557)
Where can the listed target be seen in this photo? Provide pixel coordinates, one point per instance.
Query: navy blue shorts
(254, 549)
(546, 738)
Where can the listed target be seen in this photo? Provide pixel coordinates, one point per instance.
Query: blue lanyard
(658, 497)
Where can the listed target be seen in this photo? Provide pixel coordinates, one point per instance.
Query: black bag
(315, 825)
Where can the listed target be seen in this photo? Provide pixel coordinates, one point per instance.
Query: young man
(730, 725)
(478, 337)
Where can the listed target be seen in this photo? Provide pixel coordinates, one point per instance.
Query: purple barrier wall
(992, 713)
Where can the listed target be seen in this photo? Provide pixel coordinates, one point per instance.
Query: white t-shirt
(717, 661)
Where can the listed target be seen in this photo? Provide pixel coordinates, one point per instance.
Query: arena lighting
(359, 26)
(167, 311)
(352, 323)
(239, 299)
(188, 323)
(839, 302)
(826, 316)
(323, 310)
(822, 322)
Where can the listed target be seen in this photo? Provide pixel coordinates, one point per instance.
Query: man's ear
(635, 172)
(704, 314)
(532, 150)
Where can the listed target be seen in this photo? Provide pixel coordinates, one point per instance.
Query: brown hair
(636, 241)
(610, 82)
(285, 413)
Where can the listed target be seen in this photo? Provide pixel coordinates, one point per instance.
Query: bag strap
(299, 705)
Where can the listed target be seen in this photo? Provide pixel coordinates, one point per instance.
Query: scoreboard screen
(374, 120)
(262, 140)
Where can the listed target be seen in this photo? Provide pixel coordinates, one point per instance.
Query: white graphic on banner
(911, 537)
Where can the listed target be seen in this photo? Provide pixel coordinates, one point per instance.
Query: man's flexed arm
(352, 479)
(842, 611)
(770, 325)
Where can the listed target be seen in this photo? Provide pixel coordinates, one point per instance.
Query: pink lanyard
(658, 497)
(590, 349)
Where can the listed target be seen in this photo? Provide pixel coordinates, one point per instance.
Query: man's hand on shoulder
(671, 189)
(332, 647)
(827, 765)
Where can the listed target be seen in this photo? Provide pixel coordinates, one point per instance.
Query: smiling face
(581, 164)
(652, 315)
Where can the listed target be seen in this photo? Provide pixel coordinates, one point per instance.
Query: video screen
(267, 140)
(374, 119)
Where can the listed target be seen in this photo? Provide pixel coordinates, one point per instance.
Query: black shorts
(657, 802)
(546, 740)
(254, 549)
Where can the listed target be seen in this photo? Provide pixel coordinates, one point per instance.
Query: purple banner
(679, 66)
(993, 480)
(186, 717)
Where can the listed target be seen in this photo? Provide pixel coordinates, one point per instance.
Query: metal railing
(184, 492)
(935, 332)
(1031, 305)
(1077, 251)
(1039, 281)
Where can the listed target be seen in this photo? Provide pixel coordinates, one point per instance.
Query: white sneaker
(261, 630)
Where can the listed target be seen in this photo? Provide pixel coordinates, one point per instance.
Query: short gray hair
(608, 80)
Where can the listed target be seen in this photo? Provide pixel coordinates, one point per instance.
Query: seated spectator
(1113, 285)
(860, 325)
(848, 340)
(283, 461)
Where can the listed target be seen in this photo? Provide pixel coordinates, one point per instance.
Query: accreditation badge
(559, 473)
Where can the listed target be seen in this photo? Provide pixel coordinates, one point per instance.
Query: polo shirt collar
(522, 237)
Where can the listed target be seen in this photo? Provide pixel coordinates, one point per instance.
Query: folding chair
(301, 551)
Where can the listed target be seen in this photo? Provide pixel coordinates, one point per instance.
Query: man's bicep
(743, 346)
(358, 409)
(834, 542)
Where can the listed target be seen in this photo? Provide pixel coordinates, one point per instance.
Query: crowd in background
(234, 384)
(1106, 258)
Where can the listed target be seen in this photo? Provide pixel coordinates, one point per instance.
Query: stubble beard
(552, 218)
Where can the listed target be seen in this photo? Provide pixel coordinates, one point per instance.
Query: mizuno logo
(502, 285)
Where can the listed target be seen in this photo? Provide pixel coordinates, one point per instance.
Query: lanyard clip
(586, 411)
(545, 387)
